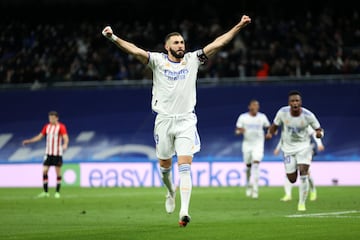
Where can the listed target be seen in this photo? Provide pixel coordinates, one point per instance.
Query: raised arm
(212, 48)
(130, 48)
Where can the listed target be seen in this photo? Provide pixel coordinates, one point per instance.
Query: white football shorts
(251, 155)
(291, 161)
(176, 134)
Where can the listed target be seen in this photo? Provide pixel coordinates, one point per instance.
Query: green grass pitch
(139, 213)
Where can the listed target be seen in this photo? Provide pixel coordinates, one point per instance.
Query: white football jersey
(312, 134)
(254, 135)
(174, 84)
(295, 135)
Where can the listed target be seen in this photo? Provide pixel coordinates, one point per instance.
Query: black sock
(45, 182)
(58, 184)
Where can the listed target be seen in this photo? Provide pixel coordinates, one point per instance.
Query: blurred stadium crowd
(315, 43)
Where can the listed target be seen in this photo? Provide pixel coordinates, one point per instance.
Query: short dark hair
(172, 34)
(253, 100)
(53, 113)
(294, 92)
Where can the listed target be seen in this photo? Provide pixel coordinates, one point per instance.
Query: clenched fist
(108, 33)
(245, 20)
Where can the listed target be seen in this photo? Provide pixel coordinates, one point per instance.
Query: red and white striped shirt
(54, 133)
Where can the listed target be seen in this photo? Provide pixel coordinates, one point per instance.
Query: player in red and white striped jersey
(57, 141)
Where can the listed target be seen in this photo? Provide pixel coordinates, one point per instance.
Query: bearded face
(175, 46)
(177, 53)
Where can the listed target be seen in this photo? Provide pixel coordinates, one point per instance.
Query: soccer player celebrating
(174, 100)
(57, 141)
(295, 141)
(251, 124)
(317, 146)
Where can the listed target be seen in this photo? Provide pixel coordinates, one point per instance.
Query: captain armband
(201, 56)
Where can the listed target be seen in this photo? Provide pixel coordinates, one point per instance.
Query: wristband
(113, 38)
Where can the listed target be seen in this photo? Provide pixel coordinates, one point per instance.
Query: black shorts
(51, 160)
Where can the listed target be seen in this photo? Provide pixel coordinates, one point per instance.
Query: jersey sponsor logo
(295, 129)
(253, 126)
(176, 75)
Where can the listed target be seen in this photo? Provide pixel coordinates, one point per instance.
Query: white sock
(311, 184)
(166, 177)
(303, 189)
(248, 174)
(288, 187)
(185, 188)
(255, 175)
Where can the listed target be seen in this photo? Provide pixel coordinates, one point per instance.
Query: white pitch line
(328, 214)
(336, 216)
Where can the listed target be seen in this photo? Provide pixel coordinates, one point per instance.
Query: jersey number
(287, 159)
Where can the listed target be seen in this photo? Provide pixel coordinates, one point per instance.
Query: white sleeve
(278, 118)
(314, 123)
(153, 59)
(278, 146)
(266, 121)
(239, 122)
(310, 131)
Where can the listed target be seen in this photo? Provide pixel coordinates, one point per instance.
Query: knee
(304, 170)
(184, 160)
(165, 163)
(292, 180)
(292, 177)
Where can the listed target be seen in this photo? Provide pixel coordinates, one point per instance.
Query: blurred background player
(173, 101)
(57, 141)
(251, 125)
(295, 141)
(317, 146)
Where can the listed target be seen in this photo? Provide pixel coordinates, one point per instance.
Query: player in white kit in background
(252, 125)
(174, 100)
(295, 141)
(317, 146)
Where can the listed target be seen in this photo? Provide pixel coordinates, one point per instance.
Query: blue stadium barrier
(116, 124)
